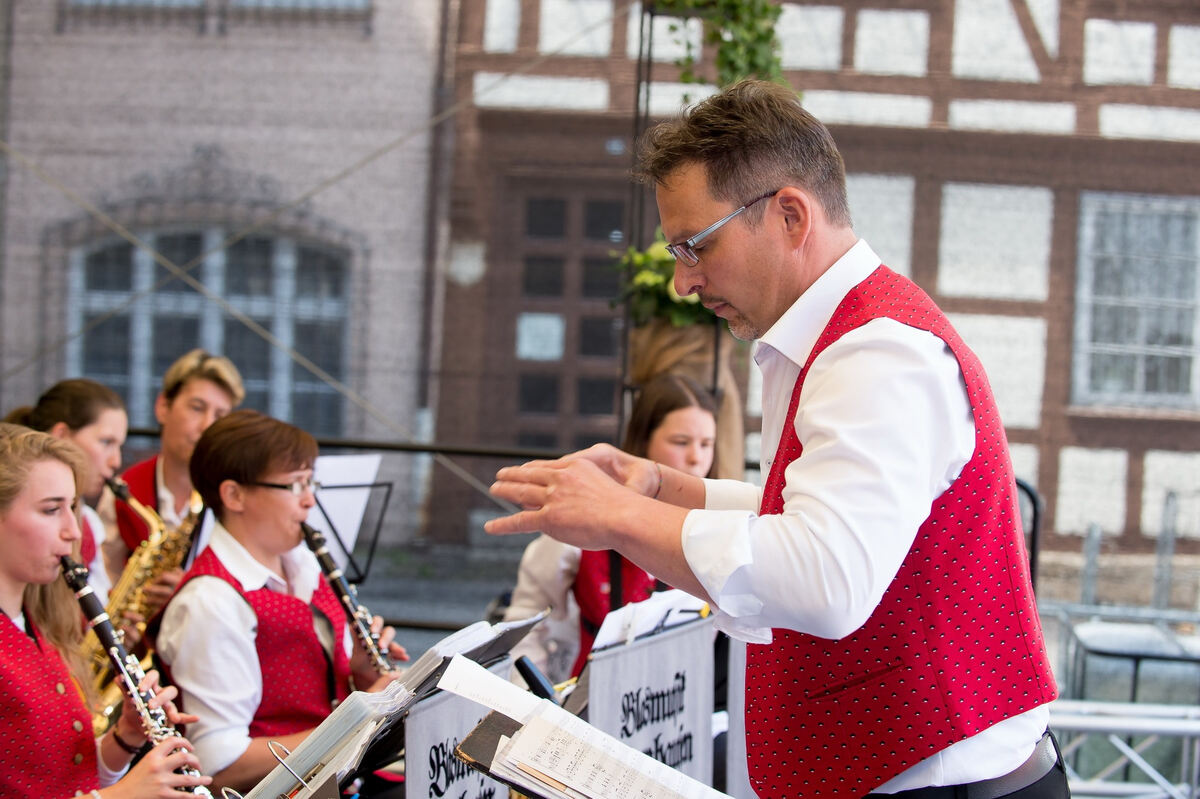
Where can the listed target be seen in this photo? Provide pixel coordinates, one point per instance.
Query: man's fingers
(522, 522)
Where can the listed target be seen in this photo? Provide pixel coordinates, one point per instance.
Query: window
(295, 289)
(1137, 325)
(567, 331)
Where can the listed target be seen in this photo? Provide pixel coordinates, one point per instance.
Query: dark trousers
(1053, 785)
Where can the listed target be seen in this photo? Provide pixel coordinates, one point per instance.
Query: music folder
(541, 750)
(367, 730)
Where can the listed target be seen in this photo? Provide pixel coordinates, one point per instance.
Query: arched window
(295, 288)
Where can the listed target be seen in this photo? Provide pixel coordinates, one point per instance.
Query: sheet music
(661, 609)
(566, 748)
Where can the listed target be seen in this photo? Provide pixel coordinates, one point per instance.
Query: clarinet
(358, 616)
(127, 670)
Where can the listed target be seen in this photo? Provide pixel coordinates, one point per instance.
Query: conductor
(880, 574)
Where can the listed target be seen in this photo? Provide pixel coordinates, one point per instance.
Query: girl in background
(673, 423)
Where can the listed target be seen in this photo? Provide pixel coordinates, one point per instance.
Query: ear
(233, 496)
(60, 430)
(161, 406)
(798, 209)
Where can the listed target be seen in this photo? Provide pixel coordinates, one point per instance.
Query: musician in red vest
(880, 574)
(197, 389)
(255, 638)
(92, 416)
(673, 422)
(47, 746)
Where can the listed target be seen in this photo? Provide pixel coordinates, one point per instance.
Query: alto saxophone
(126, 669)
(164, 550)
(358, 616)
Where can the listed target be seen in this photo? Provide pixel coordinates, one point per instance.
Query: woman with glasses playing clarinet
(255, 638)
(46, 742)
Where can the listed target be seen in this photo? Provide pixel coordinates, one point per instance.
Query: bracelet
(658, 490)
(121, 742)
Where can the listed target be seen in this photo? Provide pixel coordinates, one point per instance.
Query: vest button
(78, 758)
(62, 689)
(77, 725)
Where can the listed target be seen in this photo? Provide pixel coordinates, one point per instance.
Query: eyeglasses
(297, 487)
(686, 250)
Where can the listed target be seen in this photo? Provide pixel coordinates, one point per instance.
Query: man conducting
(880, 575)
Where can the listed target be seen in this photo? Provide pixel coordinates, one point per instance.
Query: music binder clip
(280, 760)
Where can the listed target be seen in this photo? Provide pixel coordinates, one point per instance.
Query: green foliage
(742, 33)
(648, 285)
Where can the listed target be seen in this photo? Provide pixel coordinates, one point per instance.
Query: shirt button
(78, 725)
(78, 758)
(62, 689)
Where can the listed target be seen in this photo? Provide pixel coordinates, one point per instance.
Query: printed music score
(556, 755)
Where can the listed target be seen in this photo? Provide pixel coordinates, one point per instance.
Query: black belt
(1038, 765)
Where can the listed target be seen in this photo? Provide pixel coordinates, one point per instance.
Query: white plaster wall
(1013, 353)
(668, 45)
(1118, 52)
(1183, 57)
(670, 98)
(1012, 116)
(810, 37)
(861, 108)
(988, 43)
(881, 207)
(1119, 121)
(499, 90)
(1091, 489)
(995, 241)
(501, 23)
(1045, 18)
(540, 336)
(575, 27)
(1025, 462)
(892, 42)
(1171, 471)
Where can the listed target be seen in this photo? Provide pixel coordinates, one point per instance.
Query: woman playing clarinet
(46, 742)
(255, 638)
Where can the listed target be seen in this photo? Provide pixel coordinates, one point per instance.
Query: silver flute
(127, 671)
(358, 616)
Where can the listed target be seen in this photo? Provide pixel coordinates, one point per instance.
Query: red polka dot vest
(46, 743)
(299, 689)
(955, 644)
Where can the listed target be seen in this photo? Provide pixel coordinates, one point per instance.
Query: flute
(127, 671)
(358, 616)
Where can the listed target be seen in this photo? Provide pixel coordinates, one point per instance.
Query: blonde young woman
(46, 743)
(92, 416)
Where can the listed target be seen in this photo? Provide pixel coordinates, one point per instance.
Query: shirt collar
(795, 333)
(299, 566)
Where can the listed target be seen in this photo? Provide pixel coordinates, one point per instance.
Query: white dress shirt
(98, 577)
(886, 427)
(208, 633)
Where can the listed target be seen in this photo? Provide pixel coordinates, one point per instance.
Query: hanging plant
(742, 33)
(648, 286)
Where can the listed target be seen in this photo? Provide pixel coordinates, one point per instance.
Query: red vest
(46, 743)
(87, 542)
(140, 479)
(299, 689)
(954, 646)
(592, 589)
